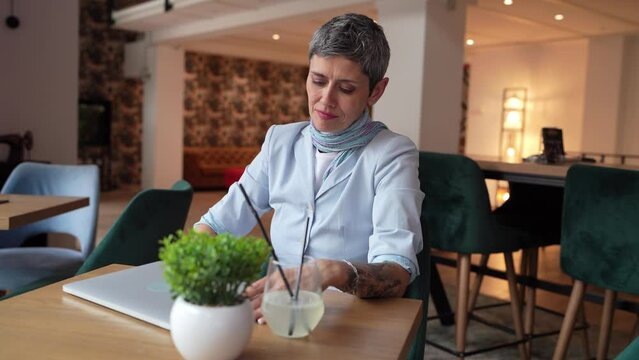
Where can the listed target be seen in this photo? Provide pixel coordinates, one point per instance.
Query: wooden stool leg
(461, 316)
(584, 332)
(524, 268)
(606, 324)
(529, 315)
(515, 303)
(576, 298)
(474, 292)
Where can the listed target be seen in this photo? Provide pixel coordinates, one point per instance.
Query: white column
(162, 120)
(423, 98)
(602, 98)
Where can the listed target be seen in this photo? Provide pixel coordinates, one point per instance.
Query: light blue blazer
(366, 210)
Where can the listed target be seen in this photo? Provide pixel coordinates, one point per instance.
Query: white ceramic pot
(211, 332)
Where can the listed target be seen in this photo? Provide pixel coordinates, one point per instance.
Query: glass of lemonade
(293, 316)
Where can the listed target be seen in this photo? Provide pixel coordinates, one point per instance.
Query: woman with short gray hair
(353, 179)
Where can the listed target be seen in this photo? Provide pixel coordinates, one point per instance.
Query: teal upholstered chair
(531, 216)
(134, 237)
(599, 242)
(631, 352)
(21, 265)
(456, 217)
(419, 289)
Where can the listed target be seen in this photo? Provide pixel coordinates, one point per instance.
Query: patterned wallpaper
(233, 101)
(101, 78)
(228, 101)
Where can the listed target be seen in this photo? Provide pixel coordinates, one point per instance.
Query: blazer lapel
(341, 173)
(305, 158)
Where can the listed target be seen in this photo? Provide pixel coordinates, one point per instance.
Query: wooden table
(25, 209)
(531, 173)
(527, 173)
(47, 323)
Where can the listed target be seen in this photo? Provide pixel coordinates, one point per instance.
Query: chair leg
(584, 333)
(515, 303)
(461, 315)
(529, 314)
(524, 267)
(479, 277)
(635, 329)
(606, 324)
(576, 298)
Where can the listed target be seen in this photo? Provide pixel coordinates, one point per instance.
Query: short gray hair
(356, 37)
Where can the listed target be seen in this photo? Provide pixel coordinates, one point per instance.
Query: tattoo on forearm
(377, 280)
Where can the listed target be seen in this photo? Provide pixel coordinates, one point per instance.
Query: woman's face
(338, 92)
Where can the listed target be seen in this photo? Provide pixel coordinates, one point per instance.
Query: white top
(322, 160)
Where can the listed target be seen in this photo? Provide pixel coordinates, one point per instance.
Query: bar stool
(532, 215)
(599, 242)
(456, 217)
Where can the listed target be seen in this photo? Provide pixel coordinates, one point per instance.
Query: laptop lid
(140, 292)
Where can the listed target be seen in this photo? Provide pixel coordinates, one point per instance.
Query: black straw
(299, 273)
(257, 217)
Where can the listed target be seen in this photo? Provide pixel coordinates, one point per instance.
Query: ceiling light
(559, 17)
(276, 36)
(470, 42)
(508, 2)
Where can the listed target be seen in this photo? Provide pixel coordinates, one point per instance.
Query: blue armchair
(22, 265)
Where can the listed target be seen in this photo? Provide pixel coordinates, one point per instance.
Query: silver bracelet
(355, 282)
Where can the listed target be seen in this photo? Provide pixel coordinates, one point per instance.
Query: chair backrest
(134, 238)
(600, 230)
(456, 214)
(631, 352)
(420, 289)
(63, 180)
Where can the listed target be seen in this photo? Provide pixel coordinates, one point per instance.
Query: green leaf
(209, 270)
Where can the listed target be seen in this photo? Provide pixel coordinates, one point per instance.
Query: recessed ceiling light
(470, 42)
(508, 2)
(559, 17)
(276, 36)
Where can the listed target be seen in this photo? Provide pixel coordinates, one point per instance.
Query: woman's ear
(378, 91)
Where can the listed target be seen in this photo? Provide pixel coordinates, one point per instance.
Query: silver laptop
(140, 292)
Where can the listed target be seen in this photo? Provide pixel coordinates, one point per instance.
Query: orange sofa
(204, 167)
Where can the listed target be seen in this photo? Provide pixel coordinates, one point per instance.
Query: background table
(47, 323)
(25, 209)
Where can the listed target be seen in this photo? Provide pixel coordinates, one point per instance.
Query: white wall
(39, 77)
(162, 118)
(603, 94)
(423, 97)
(629, 108)
(554, 75)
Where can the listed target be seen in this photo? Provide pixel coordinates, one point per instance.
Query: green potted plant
(211, 318)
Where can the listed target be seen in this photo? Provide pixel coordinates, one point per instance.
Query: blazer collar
(306, 151)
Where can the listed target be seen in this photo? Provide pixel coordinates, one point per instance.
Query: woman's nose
(328, 96)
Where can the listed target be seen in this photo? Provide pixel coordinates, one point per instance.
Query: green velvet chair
(631, 352)
(599, 242)
(134, 237)
(419, 289)
(456, 217)
(531, 216)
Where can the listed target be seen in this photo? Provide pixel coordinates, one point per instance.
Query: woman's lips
(325, 116)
